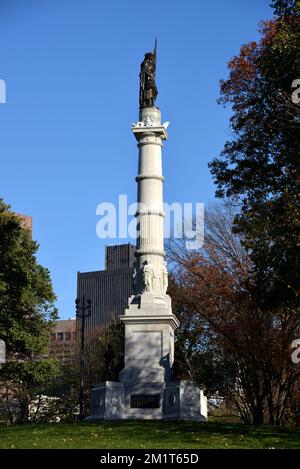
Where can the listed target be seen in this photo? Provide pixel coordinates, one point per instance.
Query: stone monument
(145, 389)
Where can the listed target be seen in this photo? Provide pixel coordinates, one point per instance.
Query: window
(60, 336)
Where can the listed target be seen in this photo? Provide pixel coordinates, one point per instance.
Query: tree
(23, 385)
(105, 353)
(27, 314)
(27, 299)
(235, 347)
(104, 359)
(259, 166)
(285, 7)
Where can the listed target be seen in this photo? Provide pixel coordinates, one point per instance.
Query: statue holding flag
(148, 90)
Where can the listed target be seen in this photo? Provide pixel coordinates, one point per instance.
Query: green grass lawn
(147, 434)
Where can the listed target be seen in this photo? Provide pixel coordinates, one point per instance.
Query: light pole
(83, 311)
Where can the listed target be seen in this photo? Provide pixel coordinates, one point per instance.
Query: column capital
(141, 131)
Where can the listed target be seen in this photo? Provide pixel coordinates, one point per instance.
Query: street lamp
(83, 311)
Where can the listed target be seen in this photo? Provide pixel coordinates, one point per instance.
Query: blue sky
(71, 71)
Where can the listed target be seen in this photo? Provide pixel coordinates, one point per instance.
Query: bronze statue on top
(148, 90)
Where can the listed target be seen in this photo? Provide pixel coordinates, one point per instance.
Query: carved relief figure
(147, 276)
(156, 280)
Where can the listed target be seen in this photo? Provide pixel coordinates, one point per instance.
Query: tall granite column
(149, 322)
(151, 271)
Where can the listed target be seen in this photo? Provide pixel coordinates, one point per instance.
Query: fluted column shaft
(150, 243)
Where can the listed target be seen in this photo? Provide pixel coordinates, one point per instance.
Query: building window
(68, 336)
(53, 337)
(60, 336)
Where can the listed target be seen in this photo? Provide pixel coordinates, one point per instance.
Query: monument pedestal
(149, 351)
(146, 389)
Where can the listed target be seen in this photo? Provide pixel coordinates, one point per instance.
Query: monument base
(176, 400)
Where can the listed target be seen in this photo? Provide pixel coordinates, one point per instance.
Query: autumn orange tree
(231, 344)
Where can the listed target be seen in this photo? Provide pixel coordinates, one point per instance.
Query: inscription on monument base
(144, 401)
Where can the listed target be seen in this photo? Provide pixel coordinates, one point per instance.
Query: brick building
(63, 338)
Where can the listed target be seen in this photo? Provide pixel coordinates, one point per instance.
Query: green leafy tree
(27, 314)
(27, 299)
(24, 385)
(285, 7)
